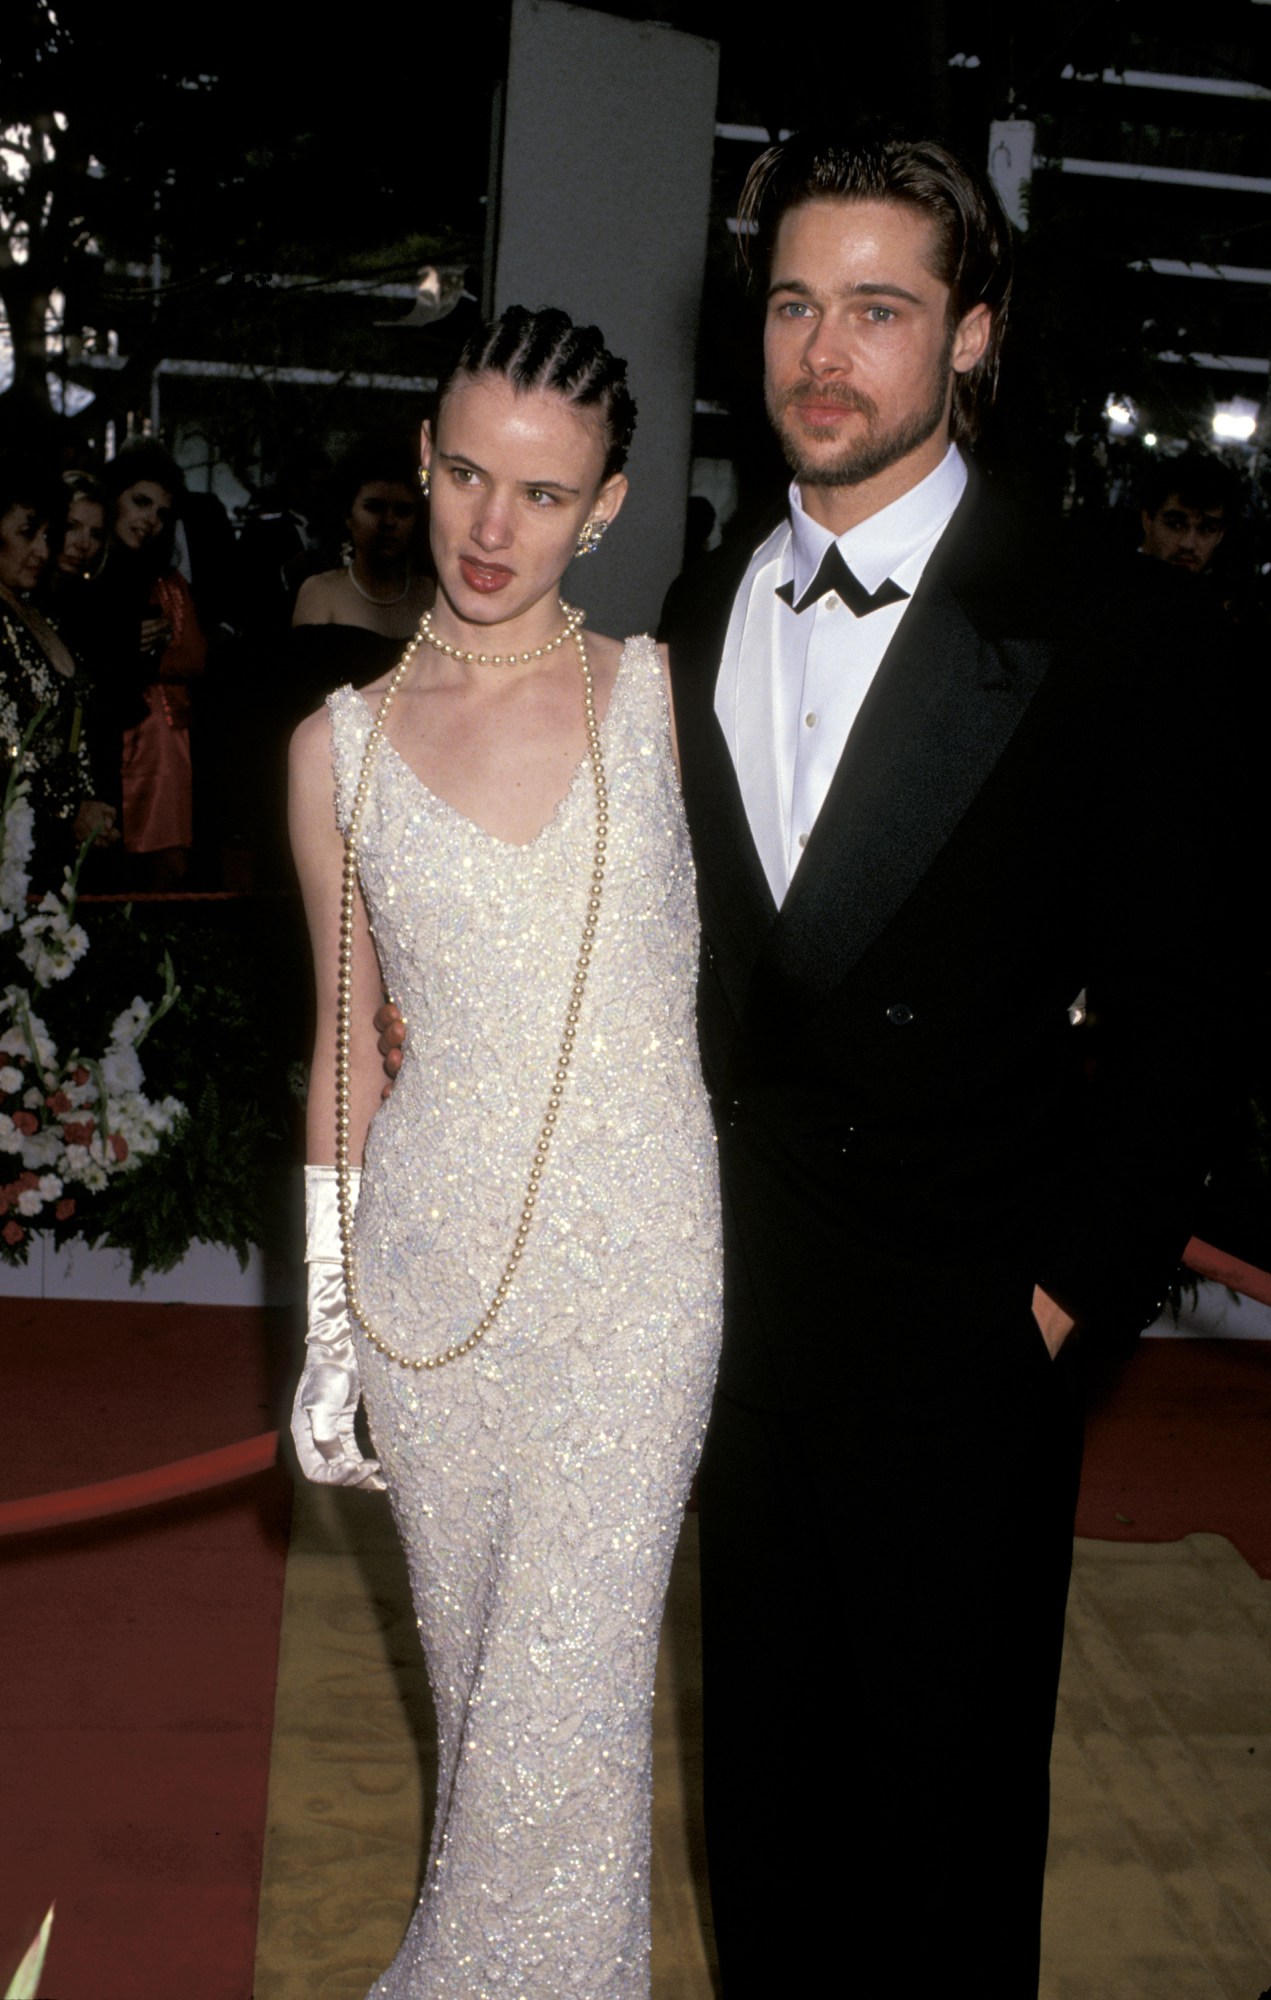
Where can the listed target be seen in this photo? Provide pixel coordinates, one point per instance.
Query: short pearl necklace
(573, 622)
(384, 602)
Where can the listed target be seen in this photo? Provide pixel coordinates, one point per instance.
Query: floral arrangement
(70, 1123)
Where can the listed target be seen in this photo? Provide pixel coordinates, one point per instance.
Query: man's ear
(971, 339)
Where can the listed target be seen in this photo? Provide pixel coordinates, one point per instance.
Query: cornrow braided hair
(545, 350)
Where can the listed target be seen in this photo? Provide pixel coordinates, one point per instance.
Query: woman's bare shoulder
(311, 740)
(316, 601)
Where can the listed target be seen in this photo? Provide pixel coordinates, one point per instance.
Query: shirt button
(900, 1015)
(811, 718)
(803, 840)
(832, 602)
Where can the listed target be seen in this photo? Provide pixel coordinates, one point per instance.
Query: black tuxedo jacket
(910, 1133)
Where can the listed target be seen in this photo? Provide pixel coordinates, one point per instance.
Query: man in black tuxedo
(929, 781)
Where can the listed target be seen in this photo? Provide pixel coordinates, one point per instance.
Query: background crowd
(161, 652)
(155, 654)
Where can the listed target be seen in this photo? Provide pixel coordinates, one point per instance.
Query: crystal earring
(425, 479)
(590, 536)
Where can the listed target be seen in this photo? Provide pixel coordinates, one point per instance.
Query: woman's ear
(607, 504)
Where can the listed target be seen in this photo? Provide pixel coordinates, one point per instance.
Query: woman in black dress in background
(351, 623)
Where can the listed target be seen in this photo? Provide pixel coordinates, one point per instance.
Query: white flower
(30, 1201)
(33, 1098)
(121, 1069)
(43, 1149)
(10, 1137)
(130, 1023)
(50, 1188)
(10, 1078)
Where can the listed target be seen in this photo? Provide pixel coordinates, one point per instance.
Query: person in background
(1189, 503)
(156, 650)
(40, 676)
(83, 547)
(352, 622)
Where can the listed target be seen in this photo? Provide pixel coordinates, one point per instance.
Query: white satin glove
(331, 1386)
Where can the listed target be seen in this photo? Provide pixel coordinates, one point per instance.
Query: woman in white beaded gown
(534, 1263)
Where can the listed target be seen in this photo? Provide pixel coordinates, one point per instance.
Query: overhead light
(1149, 439)
(1236, 421)
(1122, 417)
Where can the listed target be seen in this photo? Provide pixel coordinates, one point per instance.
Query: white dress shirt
(791, 684)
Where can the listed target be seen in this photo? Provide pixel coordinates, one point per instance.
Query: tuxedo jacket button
(900, 1014)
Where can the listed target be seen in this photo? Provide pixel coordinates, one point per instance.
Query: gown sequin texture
(538, 1482)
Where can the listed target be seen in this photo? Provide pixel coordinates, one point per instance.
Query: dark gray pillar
(604, 192)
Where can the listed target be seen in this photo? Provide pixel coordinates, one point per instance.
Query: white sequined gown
(538, 1482)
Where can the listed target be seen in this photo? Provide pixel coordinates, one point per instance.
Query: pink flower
(12, 1233)
(119, 1146)
(79, 1135)
(59, 1102)
(64, 1210)
(27, 1122)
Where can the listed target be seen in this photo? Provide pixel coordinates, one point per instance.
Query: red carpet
(139, 1659)
(138, 1665)
(1182, 1444)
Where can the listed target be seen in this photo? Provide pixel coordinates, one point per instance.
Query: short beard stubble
(873, 451)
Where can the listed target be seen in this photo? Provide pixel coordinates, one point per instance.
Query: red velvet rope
(140, 1489)
(1206, 1262)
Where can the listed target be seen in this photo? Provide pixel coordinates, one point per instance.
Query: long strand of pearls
(573, 1011)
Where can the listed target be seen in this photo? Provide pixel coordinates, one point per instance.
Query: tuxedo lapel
(732, 886)
(944, 704)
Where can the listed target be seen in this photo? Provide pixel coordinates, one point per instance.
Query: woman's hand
(156, 634)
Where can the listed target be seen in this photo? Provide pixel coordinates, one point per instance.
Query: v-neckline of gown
(562, 804)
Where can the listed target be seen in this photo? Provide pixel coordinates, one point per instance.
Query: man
(923, 774)
(1188, 505)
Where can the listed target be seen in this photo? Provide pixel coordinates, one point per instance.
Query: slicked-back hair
(1200, 481)
(971, 236)
(545, 350)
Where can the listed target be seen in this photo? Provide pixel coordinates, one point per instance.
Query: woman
(39, 675)
(84, 542)
(351, 623)
(535, 1253)
(157, 650)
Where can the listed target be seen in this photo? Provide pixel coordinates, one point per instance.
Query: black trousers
(884, 1581)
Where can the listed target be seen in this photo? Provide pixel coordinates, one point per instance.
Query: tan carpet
(1160, 1885)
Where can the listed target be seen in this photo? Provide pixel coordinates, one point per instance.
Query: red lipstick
(484, 577)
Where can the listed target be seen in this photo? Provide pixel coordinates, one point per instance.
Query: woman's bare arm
(319, 855)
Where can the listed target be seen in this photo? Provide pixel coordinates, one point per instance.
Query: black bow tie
(834, 574)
